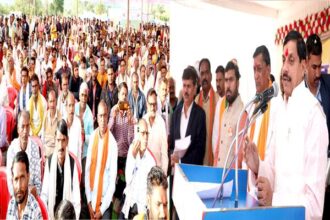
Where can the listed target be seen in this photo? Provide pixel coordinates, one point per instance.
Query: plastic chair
(12, 95)
(43, 208)
(77, 164)
(4, 192)
(38, 141)
(10, 123)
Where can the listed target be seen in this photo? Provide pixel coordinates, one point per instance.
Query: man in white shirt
(157, 141)
(75, 129)
(61, 181)
(62, 98)
(25, 92)
(294, 170)
(3, 90)
(163, 105)
(101, 167)
(24, 143)
(149, 78)
(139, 162)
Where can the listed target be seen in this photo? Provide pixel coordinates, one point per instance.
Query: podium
(189, 205)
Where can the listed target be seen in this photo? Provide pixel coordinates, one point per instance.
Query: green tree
(57, 7)
(100, 9)
(5, 9)
(29, 7)
(160, 12)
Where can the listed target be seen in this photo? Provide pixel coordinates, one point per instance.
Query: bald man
(140, 160)
(101, 167)
(75, 129)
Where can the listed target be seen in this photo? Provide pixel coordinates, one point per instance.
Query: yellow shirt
(102, 78)
(53, 32)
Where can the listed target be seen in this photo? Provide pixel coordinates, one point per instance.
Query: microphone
(267, 94)
(264, 98)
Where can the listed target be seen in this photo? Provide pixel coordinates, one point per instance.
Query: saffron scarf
(103, 165)
(217, 149)
(263, 132)
(262, 139)
(13, 81)
(210, 128)
(36, 129)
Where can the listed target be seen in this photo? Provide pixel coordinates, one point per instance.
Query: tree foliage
(57, 7)
(160, 12)
(100, 9)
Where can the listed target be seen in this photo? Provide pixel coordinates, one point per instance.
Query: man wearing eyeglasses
(158, 137)
(139, 162)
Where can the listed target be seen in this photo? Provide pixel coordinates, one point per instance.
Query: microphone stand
(225, 172)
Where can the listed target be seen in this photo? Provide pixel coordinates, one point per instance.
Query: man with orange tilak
(294, 170)
(207, 99)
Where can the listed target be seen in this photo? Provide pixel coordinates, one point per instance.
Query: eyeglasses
(152, 104)
(144, 133)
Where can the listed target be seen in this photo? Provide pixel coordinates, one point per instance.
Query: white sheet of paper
(181, 146)
(210, 190)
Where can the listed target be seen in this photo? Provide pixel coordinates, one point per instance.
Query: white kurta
(296, 159)
(272, 118)
(75, 193)
(110, 172)
(136, 174)
(75, 138)
(157, 141)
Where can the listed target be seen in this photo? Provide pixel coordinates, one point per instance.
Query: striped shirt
(122, 131)
(31, 211)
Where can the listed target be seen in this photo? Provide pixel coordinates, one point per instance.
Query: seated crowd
(98, 122)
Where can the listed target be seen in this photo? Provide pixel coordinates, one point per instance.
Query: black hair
(156, 177)
(21, 157)
(204, 60)
(264, 52)
(96, 66)
(34, 77)
(190, 73)
(220, 69)
(151, 92)
(301, 46)
(232, 66)
(314, 45)
(25, 69)
(65, 210)
(49, 70)
(33, 59)
(272, 78)
(121, 85)
(62, 127)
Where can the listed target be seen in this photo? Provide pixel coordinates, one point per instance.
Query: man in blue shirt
(136, 98)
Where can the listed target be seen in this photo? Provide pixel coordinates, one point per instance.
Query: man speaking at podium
(294, 170)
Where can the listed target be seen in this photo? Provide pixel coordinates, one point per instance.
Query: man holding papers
(188, 120)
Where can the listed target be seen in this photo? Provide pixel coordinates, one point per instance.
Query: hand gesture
(136, 147)
(251, 155)
(265, 193)
(174, 159)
